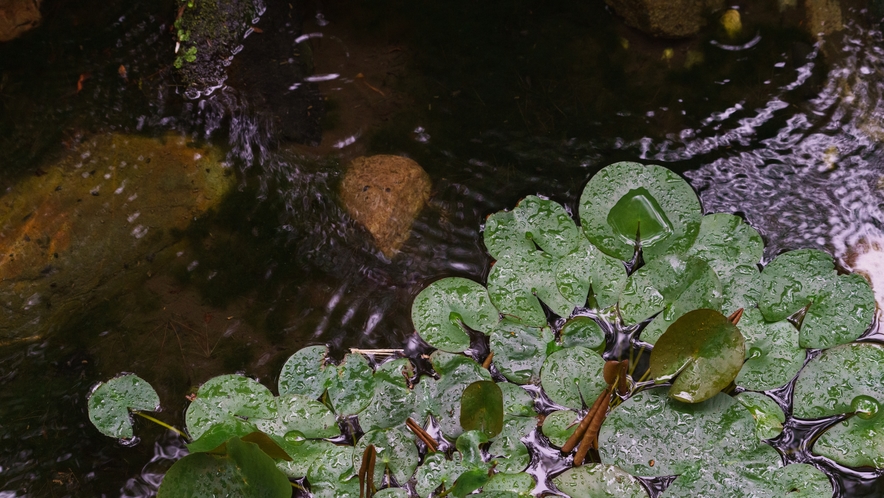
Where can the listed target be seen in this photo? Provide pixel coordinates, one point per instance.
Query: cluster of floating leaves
(553, 290)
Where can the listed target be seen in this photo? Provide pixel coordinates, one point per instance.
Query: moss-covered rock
(666, 18)
(95, 222)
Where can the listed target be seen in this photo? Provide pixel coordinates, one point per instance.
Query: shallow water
(495, 101)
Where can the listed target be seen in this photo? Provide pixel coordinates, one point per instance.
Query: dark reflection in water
(496, 100)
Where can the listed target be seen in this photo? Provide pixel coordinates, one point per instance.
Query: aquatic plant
(708, 333)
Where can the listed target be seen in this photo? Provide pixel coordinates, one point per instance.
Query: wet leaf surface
(350, 385)
(393, 401)
(228, 399)
(773, 356)
(441, 310)
(517, 484)
(589, 268)
(396, 451)
(668, 287)
(573, 377)
(583, 331)
(109, 404)
(304, 373)
(599, 481)
(703, 351)
(441, 398)
(308, 417)
(519, 350)
(481, 408)
(533, 221)
(507, 448)
(624, 195)
(768, 415)
(559, 425)
(518, 282)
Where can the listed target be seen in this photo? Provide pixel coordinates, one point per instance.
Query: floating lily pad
(572, 377)
(396, 453)
(441, 398)
(768, 415)
(533, 221)
(228, 398)
(306, 416)
(589, 268)
(109, 404)
(437, 470)
(507, 449)
(599, 481)
(393, 401)
(773, 356)
(559, 425)
(481, 408)
(703, 351)
(219, 432)
(350, 385)
(243, 470)
(668, 287)
(391, 493)
(469, 444)
(331, 473)
(846, 379)
(444, 307)
(652, 435)
(519, 484)
(583, 331)
(519, 350)
(516, 401)
(304, 373)
(792, 281)
(470, 481)
(625, 196)
(518, 282)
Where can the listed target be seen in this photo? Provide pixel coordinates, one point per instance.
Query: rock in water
(17, 17)
(666, 18)
(91, 225)
(385, 193)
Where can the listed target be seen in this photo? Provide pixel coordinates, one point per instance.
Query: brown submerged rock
(666, 18)
(17, 17)
(385, 193)
(83, 229)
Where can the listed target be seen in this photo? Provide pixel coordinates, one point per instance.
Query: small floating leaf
(396, 452)
(559, 425)
(599, 481)
(768, 415)
(840, 313)
(228, 398)
(350, 385)
(572, 377)
(507, 449)
(773, 356)
(444, 307)
(703, 350)
(669, 287)
(589, 268)
(516, 401)
(244, 470)
(304, 373)
(520, 484)
(519, 350)
(393, 401)
(437, 471)
(109, 404)
(441, 398)
(518, 282)
(854, 442)
(533, 221)
(583, 331)
(481, 408)
(299, 413)
(625, 197)
(792, 280)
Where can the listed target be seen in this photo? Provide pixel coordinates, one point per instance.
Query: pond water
(496, 100)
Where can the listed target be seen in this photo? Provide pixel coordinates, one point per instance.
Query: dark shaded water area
(496, 100)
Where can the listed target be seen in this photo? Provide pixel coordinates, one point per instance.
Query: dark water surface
(496, 100)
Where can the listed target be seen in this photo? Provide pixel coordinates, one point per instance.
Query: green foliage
(553, 292)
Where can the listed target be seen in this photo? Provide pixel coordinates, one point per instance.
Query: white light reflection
(322, 77)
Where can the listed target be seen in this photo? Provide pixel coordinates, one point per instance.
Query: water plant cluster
(532, 354)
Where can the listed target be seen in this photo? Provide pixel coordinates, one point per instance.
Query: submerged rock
(17, 17)
(666, 18)
(385, 193)
(92, 224)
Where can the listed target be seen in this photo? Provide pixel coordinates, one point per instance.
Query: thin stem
(161, 423)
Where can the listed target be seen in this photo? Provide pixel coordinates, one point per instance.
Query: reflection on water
(495, 102)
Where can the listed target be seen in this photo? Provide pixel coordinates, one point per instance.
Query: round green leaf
(703, 350)
(438, 471)
(228, 398)
(443, 308)
(507, 449)
(308, 454)
(589, 268)
(516, 401)
(110, 402)
(516, 283)
(801, 480)
(583, 331)
(533, 221)
(469, 445)
(396, 451)
(393, 401)
(831, 383)
(599, 481)
(519, 484)
(391, 493)
(470, 481)
(625, 196)
(572, 377)
(244, 470)
(669, 287)
(653, 435)
(331, 473)
(724, 241)
(559, 425)
(792, 280)
(768, 415)
(481, 408)
(294, 412)
(441, 398)
(519, 350)
(350, 385)
(840, 313)
(772, 353)
(854, 442)
(304, 373)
